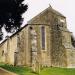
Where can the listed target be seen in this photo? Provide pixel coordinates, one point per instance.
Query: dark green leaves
(10, 14)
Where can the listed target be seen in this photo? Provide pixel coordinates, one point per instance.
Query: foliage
(11, 14)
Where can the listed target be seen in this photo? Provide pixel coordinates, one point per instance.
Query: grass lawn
(44, 71)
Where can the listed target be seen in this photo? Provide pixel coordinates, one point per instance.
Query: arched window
(43, 37)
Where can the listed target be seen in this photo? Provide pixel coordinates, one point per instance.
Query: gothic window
(43, 37)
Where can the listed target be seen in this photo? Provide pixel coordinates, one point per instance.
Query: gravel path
(5, 72)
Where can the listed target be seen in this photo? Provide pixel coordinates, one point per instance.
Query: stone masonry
(44, 41)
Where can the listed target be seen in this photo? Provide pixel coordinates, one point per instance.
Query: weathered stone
(24, 48)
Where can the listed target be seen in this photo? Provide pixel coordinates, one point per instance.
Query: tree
(11, 15)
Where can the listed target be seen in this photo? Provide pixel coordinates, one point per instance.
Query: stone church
(44, 40)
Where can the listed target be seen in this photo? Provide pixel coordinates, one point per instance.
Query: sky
(66, 7)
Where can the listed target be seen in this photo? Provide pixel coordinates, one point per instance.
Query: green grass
(17, 69)
(44, 71)
(57, 71)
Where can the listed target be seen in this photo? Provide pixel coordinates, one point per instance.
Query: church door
(15, 58)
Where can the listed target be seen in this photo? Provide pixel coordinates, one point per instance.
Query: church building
(44, 40)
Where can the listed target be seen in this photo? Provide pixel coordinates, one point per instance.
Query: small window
(31, 28)
(2, 52)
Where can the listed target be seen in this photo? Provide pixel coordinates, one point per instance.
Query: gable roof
(55, 11)
(49, 8)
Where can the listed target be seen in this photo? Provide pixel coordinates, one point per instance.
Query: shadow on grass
(16, 69)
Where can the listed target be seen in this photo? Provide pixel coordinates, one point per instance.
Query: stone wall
(25, 46)
(2, 53)
(55, 53)
(22, 46)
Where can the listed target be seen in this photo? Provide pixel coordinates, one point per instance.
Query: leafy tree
(11, 15)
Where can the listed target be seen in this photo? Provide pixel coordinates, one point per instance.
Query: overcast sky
(66, 7)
